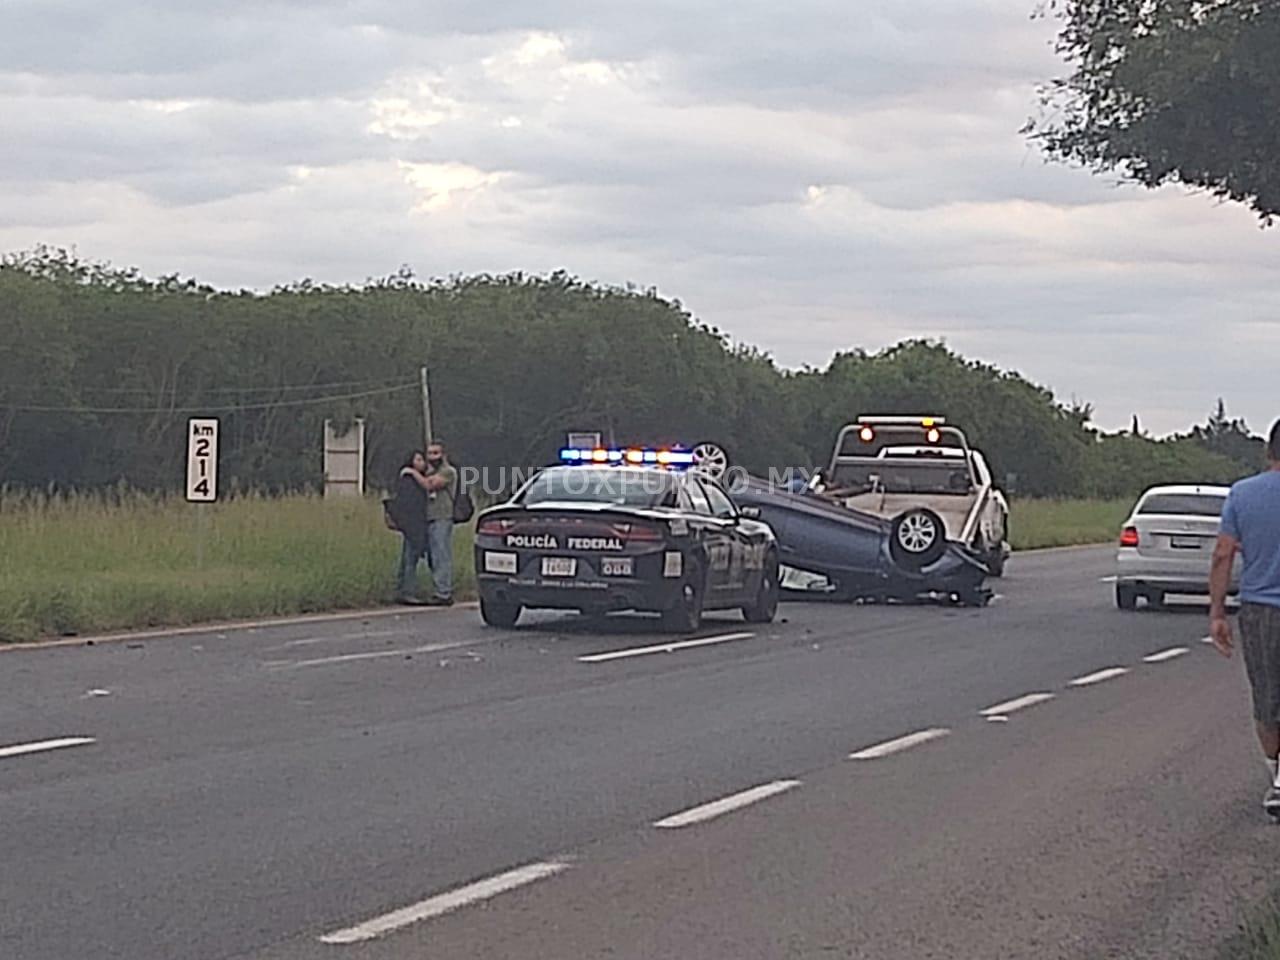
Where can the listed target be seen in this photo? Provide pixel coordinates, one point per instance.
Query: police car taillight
(496, 527)
(644, 535)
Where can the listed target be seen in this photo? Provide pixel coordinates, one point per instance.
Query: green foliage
(1166, 91)
(103, 367)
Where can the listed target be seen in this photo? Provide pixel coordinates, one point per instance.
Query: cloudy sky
(809, 176)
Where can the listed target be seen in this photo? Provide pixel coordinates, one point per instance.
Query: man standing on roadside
(442, 491)
(1251, 525)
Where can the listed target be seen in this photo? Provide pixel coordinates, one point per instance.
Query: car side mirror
(749, 513)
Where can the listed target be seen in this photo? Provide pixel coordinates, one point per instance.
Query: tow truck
(844, 533)
(885, 465)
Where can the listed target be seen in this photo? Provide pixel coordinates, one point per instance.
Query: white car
(1166, 545)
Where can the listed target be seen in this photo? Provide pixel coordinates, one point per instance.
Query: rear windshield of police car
(632, 488)
(1184, 504)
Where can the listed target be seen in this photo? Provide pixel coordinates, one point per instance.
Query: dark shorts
(1260, 638)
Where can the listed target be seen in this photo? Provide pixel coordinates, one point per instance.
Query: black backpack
(464, 507)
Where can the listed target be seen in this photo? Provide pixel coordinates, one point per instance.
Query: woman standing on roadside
(407, 512)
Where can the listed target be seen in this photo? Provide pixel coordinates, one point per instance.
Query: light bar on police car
(632, 455)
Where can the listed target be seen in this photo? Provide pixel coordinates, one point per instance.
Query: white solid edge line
(1111, 579)
(898, 745)
(1206, 639)
(40, 746)
(1110, 673)
(717, 808)
(1164, 655)
(447, 902)
(235, 626)
(663, 648)
(1020, 703)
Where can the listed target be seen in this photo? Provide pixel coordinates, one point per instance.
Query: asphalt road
(419, 786)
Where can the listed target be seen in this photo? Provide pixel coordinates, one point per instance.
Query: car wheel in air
(711, 460)
(1126, 597)
(765, 605)
(917, 538)
(496, 613)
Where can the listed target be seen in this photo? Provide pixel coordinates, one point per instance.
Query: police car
(625, 529)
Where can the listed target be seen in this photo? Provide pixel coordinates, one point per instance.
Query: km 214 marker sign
(202, 460)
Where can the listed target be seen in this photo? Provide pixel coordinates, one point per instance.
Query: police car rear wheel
(765, 605)
(497, 613)
(686, 615)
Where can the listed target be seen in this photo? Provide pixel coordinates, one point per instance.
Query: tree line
(101, 367)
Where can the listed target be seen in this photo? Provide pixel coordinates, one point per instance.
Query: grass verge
(94, 563)
(119, 561)
(1065, 523)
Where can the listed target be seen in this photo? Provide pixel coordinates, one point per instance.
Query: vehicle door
(740, 549)
(713, 534)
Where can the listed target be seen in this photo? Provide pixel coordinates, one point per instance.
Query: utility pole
(426, 410)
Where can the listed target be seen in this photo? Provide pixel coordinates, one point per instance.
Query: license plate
(559, 566)
(500, 562)
(616, 566)
(1186, 543)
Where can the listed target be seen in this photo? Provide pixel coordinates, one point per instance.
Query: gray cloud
(809, 177)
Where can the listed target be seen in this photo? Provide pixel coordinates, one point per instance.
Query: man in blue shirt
(1251, 525)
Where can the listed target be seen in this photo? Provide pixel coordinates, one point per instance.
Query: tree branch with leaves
(1169, 91)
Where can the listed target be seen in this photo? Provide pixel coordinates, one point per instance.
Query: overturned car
(860, 554)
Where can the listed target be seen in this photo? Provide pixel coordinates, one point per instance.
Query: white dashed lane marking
(1164, 655)
(1110, 673)
(377, 655)
(1020, 703)
(663, 648)
(42, 746)
(339, 637)
(890, 747)
(441, 904)
(718, 808)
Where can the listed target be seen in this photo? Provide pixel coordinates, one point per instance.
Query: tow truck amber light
(1129, 537)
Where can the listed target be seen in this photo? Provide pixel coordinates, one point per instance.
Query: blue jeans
(440, 556)
(407, 571)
